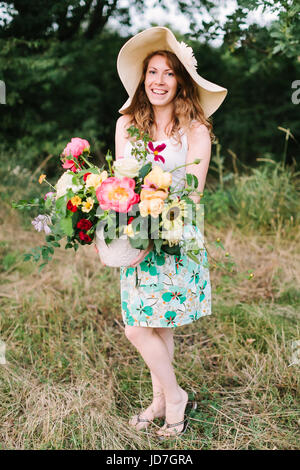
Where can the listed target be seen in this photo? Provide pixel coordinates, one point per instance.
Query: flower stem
(86, 161)
(50, 184)
(195, 162)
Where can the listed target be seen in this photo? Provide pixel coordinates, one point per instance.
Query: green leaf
(145, 170)
(171, 250)
(139, 243)
(61, 205)
(67, 226)
(157, 244)
(193, 257)
(41, 266)
(45, 252)
(48, 203)
(189, 179)
(195, 181)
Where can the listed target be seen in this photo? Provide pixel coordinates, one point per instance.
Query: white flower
(41, 223)
(126, 167)
(187, 55)
(64, 183)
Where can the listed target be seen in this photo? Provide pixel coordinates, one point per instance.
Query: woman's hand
(142, 255)
(96, 248)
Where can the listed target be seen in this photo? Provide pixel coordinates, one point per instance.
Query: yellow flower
(128, 230)
(41, 178)
(95, 179)
(159, 178)
(76, 200)
(154, 207)
(87, 205)
(150, 194)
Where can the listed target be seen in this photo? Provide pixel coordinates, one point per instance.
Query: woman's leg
(166, 335)
(157, 357)
(157, 408)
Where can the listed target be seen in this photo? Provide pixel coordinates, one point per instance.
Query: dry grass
(72, 379)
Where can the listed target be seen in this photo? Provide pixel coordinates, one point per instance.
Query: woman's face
(160, 82)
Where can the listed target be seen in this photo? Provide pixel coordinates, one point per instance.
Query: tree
(284, 33)
(36, 19)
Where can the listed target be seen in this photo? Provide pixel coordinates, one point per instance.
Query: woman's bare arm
(199, 143)
(122, 124)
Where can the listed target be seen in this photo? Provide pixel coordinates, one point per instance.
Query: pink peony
(76, 147)
(117, 194)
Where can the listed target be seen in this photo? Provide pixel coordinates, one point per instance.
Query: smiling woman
(159, 292)
(161, 85)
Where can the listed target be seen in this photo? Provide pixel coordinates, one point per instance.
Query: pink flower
(156, 151)
(76, 147)
(117, 194)
(70, 165)
(49, 194)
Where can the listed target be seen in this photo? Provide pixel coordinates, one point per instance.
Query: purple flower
(41, 223)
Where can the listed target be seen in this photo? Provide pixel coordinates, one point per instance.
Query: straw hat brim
(130, 61)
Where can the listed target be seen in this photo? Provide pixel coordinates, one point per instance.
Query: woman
(171, 102)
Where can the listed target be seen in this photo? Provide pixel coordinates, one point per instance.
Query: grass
(72, 379)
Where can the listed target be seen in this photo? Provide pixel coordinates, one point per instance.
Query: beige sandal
(191, 405)
(140, 420)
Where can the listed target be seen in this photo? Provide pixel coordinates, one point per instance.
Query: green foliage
(55, 91)
(58, 61)
(265, 199)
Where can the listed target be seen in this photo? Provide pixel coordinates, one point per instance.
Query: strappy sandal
(140, 420)
(191, 405)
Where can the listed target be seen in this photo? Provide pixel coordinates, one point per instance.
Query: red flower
(130, 220)
(84, 237)
(71, 207)
(84, 224)
(156, 150)
(85, 176)
(70, 165)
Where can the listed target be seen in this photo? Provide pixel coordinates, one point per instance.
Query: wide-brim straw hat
(135, 50)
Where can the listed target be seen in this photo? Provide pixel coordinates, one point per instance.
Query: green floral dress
(165, 291)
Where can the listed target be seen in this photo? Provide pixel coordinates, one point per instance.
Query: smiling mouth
(159, 93)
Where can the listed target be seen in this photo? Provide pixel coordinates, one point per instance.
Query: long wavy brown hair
(186, 102)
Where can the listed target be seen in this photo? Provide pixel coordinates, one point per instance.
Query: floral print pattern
(165, 291)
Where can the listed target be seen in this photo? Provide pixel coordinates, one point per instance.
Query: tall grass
(72, 379)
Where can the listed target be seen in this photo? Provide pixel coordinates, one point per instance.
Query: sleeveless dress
(166, 291)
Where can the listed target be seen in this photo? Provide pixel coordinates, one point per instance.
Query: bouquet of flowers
(122, 208)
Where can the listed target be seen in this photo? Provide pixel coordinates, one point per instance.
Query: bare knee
(136, 334)
(165, 333)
